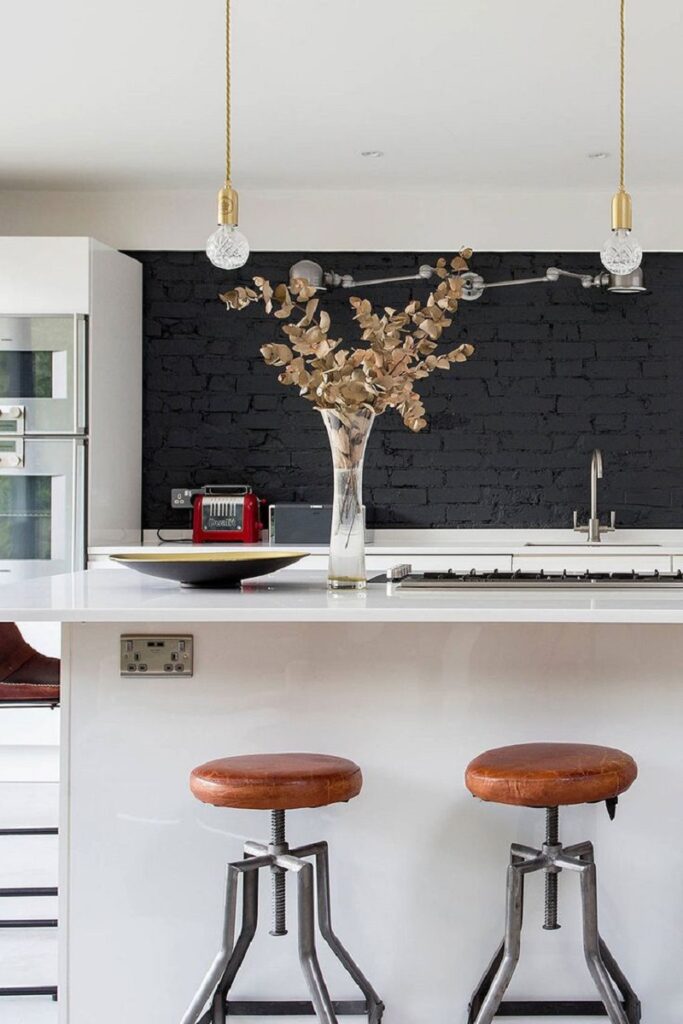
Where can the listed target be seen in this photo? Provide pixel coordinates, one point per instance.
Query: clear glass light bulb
(621, 253)
(227, 247)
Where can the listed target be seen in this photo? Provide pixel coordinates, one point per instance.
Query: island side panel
(418, 865)
(65, 804)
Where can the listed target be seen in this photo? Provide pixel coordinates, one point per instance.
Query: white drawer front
(459, 563)
(380, 563)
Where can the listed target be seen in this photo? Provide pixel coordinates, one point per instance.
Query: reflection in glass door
(25, 517)
(29, 374)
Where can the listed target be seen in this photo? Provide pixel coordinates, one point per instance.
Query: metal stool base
(618, 1001)
(31, 990)
(211, 1004)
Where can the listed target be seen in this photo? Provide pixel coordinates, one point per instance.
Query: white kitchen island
(409, 685)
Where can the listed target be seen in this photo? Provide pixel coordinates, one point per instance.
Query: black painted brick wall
(557, 371)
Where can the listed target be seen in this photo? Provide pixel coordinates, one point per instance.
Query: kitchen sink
(600, 545)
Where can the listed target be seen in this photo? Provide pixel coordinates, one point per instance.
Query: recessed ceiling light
(598, 156)
(373, 154)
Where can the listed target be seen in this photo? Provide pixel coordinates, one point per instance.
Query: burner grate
(403, 577)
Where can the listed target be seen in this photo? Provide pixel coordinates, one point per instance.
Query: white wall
(44, 636)
(564, 219)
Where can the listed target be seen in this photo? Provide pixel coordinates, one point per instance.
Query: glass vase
(348, 433)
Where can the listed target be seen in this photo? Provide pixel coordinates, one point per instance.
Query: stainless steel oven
(43, 441)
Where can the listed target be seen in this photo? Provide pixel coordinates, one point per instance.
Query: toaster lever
(399, 572)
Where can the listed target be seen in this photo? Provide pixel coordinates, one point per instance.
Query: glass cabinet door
(42, 372)
(42, 529)
(26, 517)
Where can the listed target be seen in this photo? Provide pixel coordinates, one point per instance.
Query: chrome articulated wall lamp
(473, 285)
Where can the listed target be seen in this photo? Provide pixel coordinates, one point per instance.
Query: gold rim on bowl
(205, 556)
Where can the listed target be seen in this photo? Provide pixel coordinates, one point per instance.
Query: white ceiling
(485, 94)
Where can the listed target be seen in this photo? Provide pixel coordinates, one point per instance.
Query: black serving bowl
(224, 569)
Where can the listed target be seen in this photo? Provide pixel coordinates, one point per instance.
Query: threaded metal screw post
(552, 838)
(279, 843)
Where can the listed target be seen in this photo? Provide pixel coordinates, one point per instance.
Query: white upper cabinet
(44, 275)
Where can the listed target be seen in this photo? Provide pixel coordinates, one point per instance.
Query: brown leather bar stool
(553, 775)
(278, 783)
(28, 679)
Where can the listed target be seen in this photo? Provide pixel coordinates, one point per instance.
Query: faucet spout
(593, 529)
(596, 474)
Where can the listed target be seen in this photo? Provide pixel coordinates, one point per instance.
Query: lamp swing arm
(474, 286)
(475, 283)
(335, 280)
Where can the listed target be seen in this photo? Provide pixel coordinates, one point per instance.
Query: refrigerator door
(43, 374)
(42, 506)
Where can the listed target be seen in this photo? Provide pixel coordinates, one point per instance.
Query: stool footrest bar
(29, 704)
(32, 890)
(292, 1007)
(29, 923)
(552, 1008)
(31, 990)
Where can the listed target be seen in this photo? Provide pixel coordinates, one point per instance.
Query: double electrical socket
(155, 655)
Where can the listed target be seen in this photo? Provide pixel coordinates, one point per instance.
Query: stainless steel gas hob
(403, 577)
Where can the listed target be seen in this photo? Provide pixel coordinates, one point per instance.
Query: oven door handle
(79, 543)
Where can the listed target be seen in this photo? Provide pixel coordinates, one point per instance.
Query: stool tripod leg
(632, 1003)
(249, 922)
(513, 938)
(218, 966)
(322, 870)
(584, 851)
(320, 997)
(484, 985)
(592, 946)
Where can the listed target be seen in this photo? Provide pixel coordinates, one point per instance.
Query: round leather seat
(550, 774)
(276, 782)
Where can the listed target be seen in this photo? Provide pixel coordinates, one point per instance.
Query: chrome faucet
(594, 530)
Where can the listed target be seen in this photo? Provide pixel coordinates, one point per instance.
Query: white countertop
(573, 548)
(450, 542)
(122, 595)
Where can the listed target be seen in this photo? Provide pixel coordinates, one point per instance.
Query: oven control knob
(13, 460)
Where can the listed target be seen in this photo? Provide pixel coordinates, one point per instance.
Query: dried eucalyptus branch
(401, 345)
